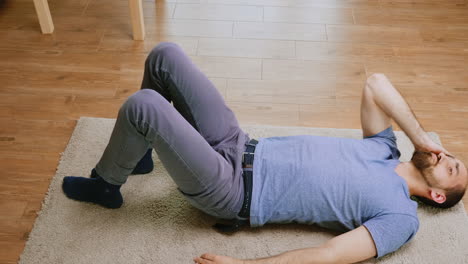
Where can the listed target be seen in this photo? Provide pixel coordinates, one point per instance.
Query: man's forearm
(299, 256)
(394, 105)
(350, 247)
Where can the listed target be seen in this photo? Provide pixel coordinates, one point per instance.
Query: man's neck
(413, 177)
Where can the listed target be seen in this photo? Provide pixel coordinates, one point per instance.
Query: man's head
(446, 177)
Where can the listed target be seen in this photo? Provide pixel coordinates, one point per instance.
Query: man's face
(440, 171)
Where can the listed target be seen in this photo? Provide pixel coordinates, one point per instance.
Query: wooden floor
(278, 62)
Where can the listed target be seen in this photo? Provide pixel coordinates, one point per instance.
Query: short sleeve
(387, 137)
(391, 231)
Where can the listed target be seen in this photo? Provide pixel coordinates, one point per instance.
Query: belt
(247, 175)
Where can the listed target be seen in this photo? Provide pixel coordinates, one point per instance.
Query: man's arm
(381, 102)
(350, 247)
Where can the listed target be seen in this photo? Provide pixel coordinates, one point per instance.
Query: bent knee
(143, 99)
(165, 49)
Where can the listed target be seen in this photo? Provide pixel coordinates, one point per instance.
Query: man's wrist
(422, 139)
(265, 260)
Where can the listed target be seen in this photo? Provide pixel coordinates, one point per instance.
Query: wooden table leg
(43, 14)
(138, 23)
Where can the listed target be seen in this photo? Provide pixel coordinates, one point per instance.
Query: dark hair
(453, 196)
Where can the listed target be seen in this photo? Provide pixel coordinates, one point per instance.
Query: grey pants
(198, 140)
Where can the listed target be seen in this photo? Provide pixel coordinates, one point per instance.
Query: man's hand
(431, 146)
(208, 258)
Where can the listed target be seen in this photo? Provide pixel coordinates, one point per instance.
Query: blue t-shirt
(337, 183)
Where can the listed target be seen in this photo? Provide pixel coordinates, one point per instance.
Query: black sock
(94, 190)
(145, 165)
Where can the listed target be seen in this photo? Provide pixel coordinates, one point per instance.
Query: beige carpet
(156, 225)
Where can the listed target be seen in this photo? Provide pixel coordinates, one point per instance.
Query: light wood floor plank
(66, 7)
(445, 36)
(31, 107)
(373, 34)
(68, 83)
(281, 31)
(346, 52)
(196, 28)
(420, 73)
(248, 48)
(291, 3)
(116, 40)
(63, 61)
(224, 67)
(434, 4)
(309, 15)
(437, 56)
(329, 114)
(410, 16)
(312, 70)
(12, 209)
(25, 190)
(35, 137)
(10, 250)
(32, 40)
(219, 12)
(91, 106)
(120, 9)
(282, 91)
(267, 113)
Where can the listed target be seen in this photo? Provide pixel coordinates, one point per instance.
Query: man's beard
(424, 163)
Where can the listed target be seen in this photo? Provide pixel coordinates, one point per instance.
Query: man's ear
(437, 195)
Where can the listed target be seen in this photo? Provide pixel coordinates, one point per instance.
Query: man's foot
(145, 165)
(94, 190)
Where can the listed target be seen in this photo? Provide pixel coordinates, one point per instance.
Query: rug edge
(45, 202)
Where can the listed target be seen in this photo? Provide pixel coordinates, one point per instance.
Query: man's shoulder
(391, 230)
(403, 210)
(405, 217)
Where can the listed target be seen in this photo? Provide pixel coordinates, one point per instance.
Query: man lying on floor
(355, 186)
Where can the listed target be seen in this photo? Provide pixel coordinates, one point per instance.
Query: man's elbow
(324, 254)
(330, 255)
